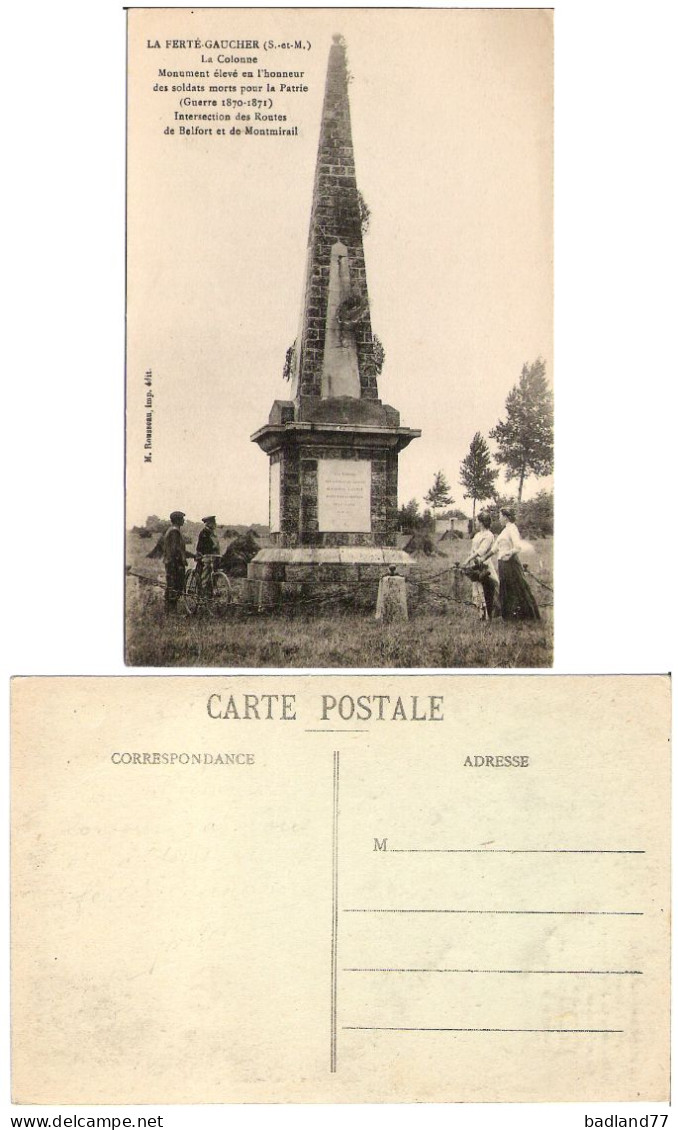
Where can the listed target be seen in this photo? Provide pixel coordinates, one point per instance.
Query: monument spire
(335, 350)
(333, 447)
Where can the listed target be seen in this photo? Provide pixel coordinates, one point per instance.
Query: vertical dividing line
(335, 912)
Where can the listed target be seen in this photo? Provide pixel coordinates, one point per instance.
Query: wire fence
(429, 586)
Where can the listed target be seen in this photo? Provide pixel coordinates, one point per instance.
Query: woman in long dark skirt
(515, 596)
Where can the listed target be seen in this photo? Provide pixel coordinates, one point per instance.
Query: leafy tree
(476, 472)
(536, 516)
(439, 494)
(525, 437)
(408, 516)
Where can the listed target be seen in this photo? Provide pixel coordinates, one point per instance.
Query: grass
(443, 631)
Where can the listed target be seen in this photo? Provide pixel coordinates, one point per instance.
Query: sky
(452, 128)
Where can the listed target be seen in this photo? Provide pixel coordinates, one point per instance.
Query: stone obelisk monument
(333, 447)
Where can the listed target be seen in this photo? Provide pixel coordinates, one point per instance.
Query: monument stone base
(293, 575)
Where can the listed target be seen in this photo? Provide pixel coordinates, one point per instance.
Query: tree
(525, 437)
(439, 494)
(156, 525)
(476, 472)
(408, 516)
(536, 516)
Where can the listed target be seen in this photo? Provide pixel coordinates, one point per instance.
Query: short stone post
(456, 579)
(391, 598)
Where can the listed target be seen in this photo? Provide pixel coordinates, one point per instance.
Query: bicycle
(207, 587)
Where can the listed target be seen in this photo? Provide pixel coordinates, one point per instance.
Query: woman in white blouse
(515, 597)
(483, 589)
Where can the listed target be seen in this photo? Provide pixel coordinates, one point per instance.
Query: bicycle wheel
(191, 597)
(222, 594)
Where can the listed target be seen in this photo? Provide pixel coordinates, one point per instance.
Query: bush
(240, 552)
(536, 516)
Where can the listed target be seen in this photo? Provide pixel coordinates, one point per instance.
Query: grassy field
(443, 630)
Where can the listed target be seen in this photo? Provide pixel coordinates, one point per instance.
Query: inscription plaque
(344, 489)
(274, 498)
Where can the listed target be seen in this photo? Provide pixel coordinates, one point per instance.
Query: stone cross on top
(333, 355)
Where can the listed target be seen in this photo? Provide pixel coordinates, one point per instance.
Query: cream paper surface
(328, 906)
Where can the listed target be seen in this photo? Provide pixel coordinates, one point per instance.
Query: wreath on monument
(290, 362)
(364, 211)
(352, 311)
(379, 353)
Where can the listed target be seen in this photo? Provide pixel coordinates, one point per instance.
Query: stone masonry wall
(335, 216)
(299, 497)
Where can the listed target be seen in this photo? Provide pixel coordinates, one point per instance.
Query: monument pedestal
(333, 505)
(334, 484)
(280, 575)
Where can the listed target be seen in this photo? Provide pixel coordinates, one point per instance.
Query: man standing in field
(174, 556)
(208, 546)
(208, 542)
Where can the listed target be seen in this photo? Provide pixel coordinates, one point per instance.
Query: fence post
(391, 597)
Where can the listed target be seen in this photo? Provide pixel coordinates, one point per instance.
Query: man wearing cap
(208, 544)
(174, 555)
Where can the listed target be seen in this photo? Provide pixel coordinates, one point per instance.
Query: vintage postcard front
(340, 889)
(339, 349)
